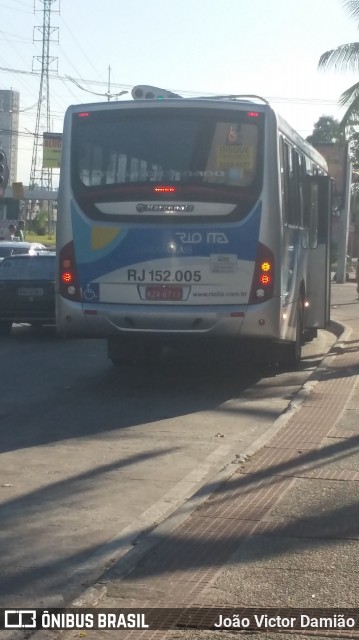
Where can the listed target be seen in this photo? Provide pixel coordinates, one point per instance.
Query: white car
(13, 247)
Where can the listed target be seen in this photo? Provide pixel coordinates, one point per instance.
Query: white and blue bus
(182, 219)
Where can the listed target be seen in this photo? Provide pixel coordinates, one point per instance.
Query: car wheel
(5, 327)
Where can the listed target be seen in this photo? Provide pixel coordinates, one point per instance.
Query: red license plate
(164, 293)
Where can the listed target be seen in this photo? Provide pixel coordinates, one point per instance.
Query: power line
(6, 6)
(13, 37)
(59, 77)
(24, 4)
(108, 94)
(319, 101)
(79, 47)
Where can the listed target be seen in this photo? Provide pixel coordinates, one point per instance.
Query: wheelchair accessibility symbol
(92, 292)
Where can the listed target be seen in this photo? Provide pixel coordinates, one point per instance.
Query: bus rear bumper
(103, 321)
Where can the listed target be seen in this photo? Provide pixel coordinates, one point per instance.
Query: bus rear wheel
(291, 352)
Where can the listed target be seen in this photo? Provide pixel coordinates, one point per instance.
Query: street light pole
(107, 94)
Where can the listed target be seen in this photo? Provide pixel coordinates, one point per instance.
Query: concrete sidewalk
(282, 531)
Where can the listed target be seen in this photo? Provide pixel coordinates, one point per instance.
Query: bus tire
(120, 351)
(5, 327)
(292, 351)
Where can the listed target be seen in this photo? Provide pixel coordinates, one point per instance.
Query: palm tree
(346, 57)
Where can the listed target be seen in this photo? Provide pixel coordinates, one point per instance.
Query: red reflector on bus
(164, 189)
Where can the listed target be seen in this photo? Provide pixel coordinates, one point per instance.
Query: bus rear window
(183, 147)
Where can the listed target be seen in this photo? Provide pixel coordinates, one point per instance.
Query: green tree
(343, 58)
(326, 129)
(39, 223)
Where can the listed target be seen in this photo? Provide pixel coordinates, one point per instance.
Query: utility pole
(344, 221)
(40, 175)
(109, 84)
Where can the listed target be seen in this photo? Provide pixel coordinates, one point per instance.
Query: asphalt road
(93, 454)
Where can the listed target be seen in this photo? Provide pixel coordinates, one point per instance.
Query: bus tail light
(68, 281)
(263, 276)
(164, 188)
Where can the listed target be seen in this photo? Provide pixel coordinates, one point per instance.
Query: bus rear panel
(170, 223)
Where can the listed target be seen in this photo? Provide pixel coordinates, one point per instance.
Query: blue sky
(189, 46)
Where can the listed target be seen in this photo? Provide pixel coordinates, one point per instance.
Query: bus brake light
(164, 189)
(68, 281)
(265, 280)
(263, 276)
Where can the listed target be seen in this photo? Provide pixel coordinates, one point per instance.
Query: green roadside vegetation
(43, 238)
(38, 229)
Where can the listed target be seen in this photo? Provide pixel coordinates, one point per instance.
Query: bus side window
(292, 189)
(313, 214)
(300, 186)
(285, 182)
(282, 179)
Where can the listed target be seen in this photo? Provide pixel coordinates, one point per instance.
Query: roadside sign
(52, 144)
(18, 190)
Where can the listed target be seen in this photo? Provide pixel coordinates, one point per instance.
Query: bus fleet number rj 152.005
(163, 275)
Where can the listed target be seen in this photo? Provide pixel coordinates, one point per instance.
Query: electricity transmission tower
(40, 175)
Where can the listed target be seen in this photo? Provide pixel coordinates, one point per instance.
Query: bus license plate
(164, 293)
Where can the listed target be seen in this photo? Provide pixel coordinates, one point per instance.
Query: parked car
(13, 247)
(27, 290)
